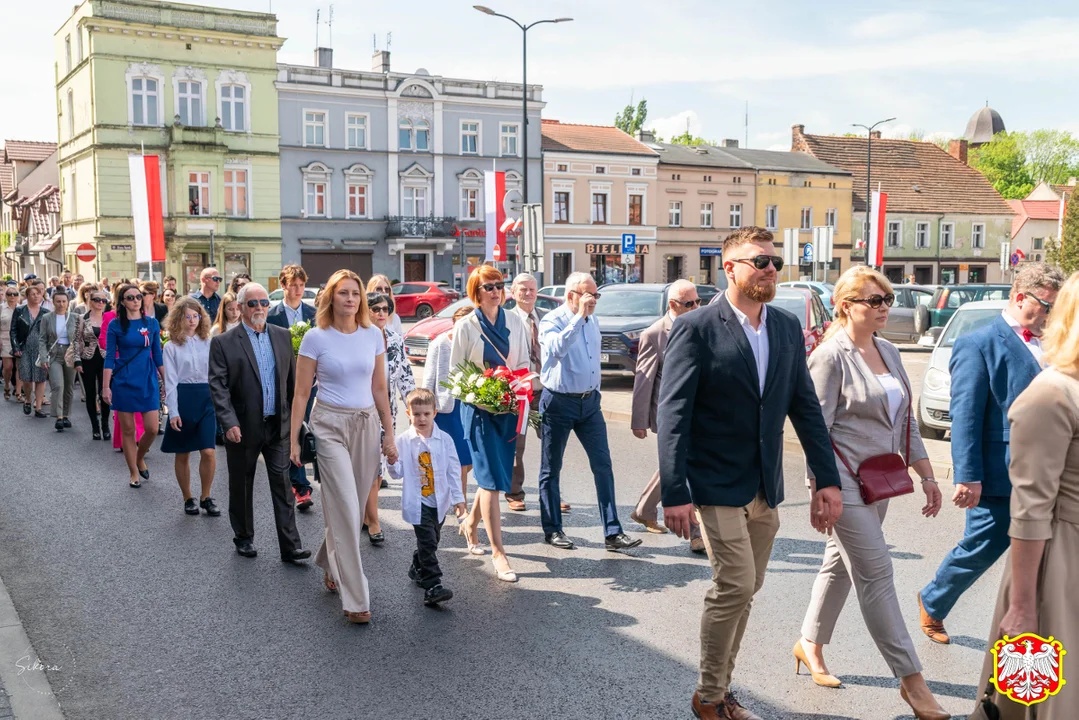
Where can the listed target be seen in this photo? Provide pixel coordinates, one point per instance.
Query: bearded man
(733, 372)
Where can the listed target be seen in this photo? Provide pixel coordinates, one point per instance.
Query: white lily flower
(456, 391)
(471, 398)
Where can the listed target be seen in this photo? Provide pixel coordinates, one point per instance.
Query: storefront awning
(45, 244)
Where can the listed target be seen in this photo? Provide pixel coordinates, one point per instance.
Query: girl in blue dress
(133, 364)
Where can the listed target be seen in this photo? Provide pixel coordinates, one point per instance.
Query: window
(67, 51)
(674, 214)
(636, 209)
(1037, 243)
(737, 180)
(316, 198)
(314, 128)
(78, 46)
(356, 131)
(561, 207)
(198, 193)
(189, 102)
(706, 215)
(809, 183)
(356, 200)
(771, 217)
(736, 215)
(831, 186)
(233, 112)
(599, 208)
(977, 235)
(635, 171)
(236, 193)
(601, 170)
(144, 101)
(830, 218)
(771, 181)
(423, 135)
(470, 203)
(561, 266)
(807, 219)
(947, 235)
(562, 167)
(404, 135)
(70, 114)
(894, 234)
(921, 235)
(708, 178)
(414, 202)
(507, 134)
(470, 138)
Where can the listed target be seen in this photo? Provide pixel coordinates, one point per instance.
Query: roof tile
(7, 179)
(603, 139)
(28, 150)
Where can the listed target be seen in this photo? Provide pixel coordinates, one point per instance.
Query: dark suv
(947, 299)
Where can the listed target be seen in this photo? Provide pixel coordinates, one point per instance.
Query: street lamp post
(524, 99)
(868, 174)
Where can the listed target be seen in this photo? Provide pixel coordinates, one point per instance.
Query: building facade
(29, 209)
(944, 222)
(382, 172)
(1035, 223)
(599, 183)
(195, 86)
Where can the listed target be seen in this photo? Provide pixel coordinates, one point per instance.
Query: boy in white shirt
(431, 474)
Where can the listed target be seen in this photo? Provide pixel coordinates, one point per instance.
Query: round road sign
(86, 252)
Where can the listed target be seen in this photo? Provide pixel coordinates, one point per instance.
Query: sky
(825, 64)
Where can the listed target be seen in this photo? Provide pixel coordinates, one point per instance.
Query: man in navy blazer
(733, 372)
(989, 368)
(293, 309)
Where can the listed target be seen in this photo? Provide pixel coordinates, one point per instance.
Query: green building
(195, 86)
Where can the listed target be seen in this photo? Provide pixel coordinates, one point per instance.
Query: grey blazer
(648, 374)
(48, 333)
(855, 407)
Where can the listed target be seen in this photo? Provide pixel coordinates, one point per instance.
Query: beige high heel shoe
(924, 714)
(473, 549)
(505, 576)
(822, 679)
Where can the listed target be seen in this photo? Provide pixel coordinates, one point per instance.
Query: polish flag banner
(875, 253)
(495, 197)
(146, 208)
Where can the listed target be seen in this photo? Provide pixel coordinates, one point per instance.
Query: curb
(26, 702)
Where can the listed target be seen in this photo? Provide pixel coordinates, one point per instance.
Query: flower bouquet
(164, 337)
(499, 391)
(297, 332)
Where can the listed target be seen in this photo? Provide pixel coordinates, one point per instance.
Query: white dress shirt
(61, 330)
(1035, 344)
(758, 340)
(184, 364)
(444, 463)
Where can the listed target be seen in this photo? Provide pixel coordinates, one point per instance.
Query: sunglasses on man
(491, 287)
(875, 301)
(687, 303)
(11, 294)
(761, 261)
(1047, 306)
(217, 278)
(255, 303)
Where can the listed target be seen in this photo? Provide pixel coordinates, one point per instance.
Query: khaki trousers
(739, 542)
(858, 552)
(648, 504)
(61, 382)
(349, 458)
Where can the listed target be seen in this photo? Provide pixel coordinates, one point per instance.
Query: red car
(422, 299)
(420, 335)
(806, 305)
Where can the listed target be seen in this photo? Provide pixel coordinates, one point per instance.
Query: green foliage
(297, 332)
(687, 139)
(6, 239)
(631, 119)
(1052, 156)
(1065, 254)
(1003, 163)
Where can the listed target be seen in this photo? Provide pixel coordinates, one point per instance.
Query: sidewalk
(25, 693)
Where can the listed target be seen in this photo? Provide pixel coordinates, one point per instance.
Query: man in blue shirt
(209, 281)
(570, 353)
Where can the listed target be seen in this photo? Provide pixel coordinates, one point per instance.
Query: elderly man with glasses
(209, 282)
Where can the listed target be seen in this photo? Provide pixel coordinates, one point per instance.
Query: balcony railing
(419, 227)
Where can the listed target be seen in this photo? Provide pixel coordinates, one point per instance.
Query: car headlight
(937, 379)
(632, 334)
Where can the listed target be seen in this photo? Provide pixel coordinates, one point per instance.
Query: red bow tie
(1027, 335)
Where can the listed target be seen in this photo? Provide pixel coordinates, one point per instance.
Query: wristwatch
(932, 480)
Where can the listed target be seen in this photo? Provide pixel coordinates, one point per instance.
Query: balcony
(403, 226)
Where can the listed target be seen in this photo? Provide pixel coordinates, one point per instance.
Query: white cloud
(888, 25)
(669, 127)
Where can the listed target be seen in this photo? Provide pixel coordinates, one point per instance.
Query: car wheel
(921, 320)
(424, 311)
(930, 433)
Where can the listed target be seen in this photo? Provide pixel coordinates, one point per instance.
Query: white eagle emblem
(1026, 671)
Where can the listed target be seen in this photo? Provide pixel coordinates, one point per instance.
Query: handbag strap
(906, 458)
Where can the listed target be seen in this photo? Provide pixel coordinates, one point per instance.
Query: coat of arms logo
(1028, 668)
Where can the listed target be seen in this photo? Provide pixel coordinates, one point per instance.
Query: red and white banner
(146, 208)
(495, 201)
(875, 252)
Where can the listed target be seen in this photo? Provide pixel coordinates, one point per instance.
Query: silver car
(934, 418)
(900, 327)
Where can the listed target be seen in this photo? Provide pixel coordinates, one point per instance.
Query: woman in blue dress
(489, 337)
(133, 364)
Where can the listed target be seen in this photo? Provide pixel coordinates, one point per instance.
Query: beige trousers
(739, 543)
(858, 551)
(62, 383)
(349, 457)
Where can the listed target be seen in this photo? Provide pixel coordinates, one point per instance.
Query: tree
(687, 139)
(1051, 155)
(631, 120)
(1003, 163)
(1065, 254)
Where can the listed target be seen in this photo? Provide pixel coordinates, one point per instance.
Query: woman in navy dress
(489, 337)
(132, 365)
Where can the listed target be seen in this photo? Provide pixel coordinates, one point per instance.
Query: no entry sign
(86, 252)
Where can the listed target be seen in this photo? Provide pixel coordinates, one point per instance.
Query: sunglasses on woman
(491, 287)
(98, 299)
(255, 303)
(875, 301)
(382, 289)
(379, 309)
(130, 298)
(11, 294)
(761, 261)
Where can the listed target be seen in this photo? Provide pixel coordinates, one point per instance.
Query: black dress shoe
(144, 474)
(620, 541)
(59, 425)
(414, 574)
(26, 408)
(67, 424)
(377, 538)
(435, 595)
(558, 540)
(191, 507)
(295, 556)
(106, 434)
(209, 506)
(245, 548)
(39, 414)
(97, 435)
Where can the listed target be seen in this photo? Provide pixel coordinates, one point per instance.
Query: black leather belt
(573, 395)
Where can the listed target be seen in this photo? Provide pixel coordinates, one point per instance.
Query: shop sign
(613, 249)
(711, 252)
(479, 232)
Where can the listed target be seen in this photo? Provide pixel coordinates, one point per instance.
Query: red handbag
(883, 476)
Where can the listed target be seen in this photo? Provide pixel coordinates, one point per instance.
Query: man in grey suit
(681, 299)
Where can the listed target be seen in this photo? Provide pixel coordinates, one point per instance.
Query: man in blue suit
(989, 368)
(292, 310)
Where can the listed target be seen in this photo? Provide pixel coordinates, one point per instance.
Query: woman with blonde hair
(381, 284)
(192, 424)
(228, 315)
(82, 303)
(490, 337)
(342, 352)
(865, 396)
(1036, 593)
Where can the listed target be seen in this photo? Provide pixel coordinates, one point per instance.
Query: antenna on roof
(389, 39)
(318, 14)
(330, 23)
(747, 124)
(374, 42)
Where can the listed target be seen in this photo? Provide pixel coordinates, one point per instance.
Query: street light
(524, 95)
(868, 168)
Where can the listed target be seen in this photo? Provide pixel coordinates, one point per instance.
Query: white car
(934, 418)
(553, 290)
(279, 294)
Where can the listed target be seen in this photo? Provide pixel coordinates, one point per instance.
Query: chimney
(958, 150)
(380, 61)
(324, 57)
(646, 136)
(875, 134)
(730, 143)
(798, 142)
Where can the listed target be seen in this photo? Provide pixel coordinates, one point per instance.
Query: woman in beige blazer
(864, 393)
(1037, 590)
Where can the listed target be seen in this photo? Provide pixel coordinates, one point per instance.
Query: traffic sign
(86, 252)
(629, 243)
(629, 258)
(807, 254)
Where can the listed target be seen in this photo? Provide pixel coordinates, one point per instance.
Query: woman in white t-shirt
(342, 352)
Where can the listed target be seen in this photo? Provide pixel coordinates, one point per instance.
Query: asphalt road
(150, 614)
